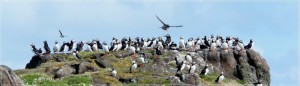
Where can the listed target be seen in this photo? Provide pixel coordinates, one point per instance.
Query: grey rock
(8, 77)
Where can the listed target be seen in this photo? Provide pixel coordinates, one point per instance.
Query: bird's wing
(177, 26)
(60, 33)
(160, 20)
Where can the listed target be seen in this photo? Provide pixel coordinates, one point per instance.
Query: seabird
(113, 72)
(166, 26)
(205, 70)
(249, 46)
(224, 45)
(46, 47)
(75, 54)
(181, 43)
(213, 45)
(241, 45)
(56, 47)
(79, 46)
(133, 67)
(105, 47)
(61, 35)
(181, 66)
(189, 58)
(89, 47)
(64, 46)
(168, 40)
(173, 46)
(220, 78)
(192, 68)
(94, 45)
(99, 44)
(35, 50)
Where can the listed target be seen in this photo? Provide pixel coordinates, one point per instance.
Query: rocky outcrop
(64, 71)
(8, 77)
(37, 60)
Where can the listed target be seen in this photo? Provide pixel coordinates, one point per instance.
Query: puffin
(75, 54)
(241, 45)
(158, 51)
(94, 45)
(99, 44)
(113, 72)
(35, 50)
(133, 67)
(192, 68)
(105, 47)
(189, 58)
(181, 66)
(181, 43)
(220, 78)
(74, 45)
(224, 45)
(89, 47)
(46, 47)
(80, 46)
(173, 46)
(250, 44)
(168, 40)
(205, 70)
(56, 47)
(213, 45)
(64, 46)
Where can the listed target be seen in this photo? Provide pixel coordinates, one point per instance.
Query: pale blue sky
(272, 25)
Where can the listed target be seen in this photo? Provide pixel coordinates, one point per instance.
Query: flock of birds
(138, 45)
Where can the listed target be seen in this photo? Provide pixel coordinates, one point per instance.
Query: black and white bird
(259, 83)
(64, 46)
(79, 47)
(89, 47)
(205, 70)
(61, 34)
(113, 72)
(46, 47)
(181, 43)
(249, 46)
(105, 47)
(75, 54)
(168, 40)
(35, 50)
(99, 45)
(56, 47)
(94, 46)
(181, 66)
(173, 46)
(192, 68)
(133, 67)
(220, 78)
(189, 58)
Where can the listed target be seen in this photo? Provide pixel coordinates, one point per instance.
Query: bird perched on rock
(133, 67)
(105, 48)
(250, 44)
(113, 72)
(192, 68)
(46, 47)
(75, 54)
(181, 43)
(220, 78)
(56, 47)
(205, 70)
(181, 66)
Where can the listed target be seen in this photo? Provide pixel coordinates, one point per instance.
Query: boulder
(227, 63)
(65, 70)
(84, 67)
(8, 77)
(261, 66)
(191, 79)
(102, 63)
(37, 60)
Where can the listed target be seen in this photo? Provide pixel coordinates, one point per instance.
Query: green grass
(41, 79)
(243, 82)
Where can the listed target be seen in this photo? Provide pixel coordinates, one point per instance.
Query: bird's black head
(45, 42)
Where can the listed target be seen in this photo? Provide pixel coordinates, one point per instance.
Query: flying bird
(61, 35)
(166, 26)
